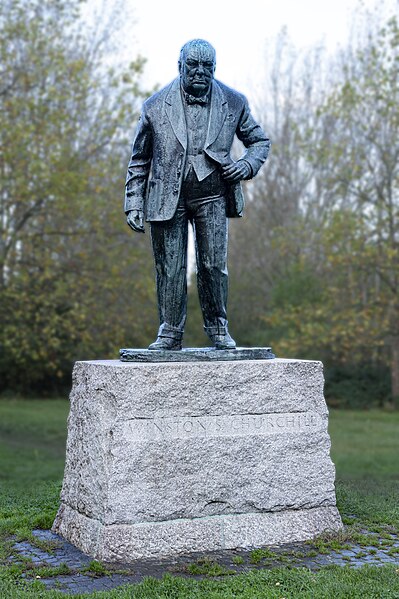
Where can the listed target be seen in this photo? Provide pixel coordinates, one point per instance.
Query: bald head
(200, 47)
(196, 66)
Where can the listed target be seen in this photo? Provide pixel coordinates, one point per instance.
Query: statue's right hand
(135, 220)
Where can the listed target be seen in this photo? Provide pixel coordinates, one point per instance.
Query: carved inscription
(238, 425)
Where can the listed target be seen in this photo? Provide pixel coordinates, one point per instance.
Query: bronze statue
(180, 171)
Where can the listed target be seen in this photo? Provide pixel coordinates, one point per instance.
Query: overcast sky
(240, 31)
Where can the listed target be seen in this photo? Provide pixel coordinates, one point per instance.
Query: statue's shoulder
(156, 100)
(231, 95)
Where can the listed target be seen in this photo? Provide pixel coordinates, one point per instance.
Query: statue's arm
(257, 148)
(138, 171)
(254, 139)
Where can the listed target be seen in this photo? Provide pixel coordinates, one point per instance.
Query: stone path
(74, 572)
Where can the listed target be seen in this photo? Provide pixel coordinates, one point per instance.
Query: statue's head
(197, 64)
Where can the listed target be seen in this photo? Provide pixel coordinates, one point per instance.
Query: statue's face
(196, 69)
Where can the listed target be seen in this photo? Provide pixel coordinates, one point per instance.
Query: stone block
(173, 458)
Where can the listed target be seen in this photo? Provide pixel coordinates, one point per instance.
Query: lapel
(217, 115)
(175, 113)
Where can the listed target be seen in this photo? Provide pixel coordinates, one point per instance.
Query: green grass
(365, 445)
(32, 441)
(365, 449)
(257, 555)
(32, 455)
(332, 582)
(208, 567)
(96, 568)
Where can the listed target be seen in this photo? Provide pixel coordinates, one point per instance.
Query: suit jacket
(156, 167)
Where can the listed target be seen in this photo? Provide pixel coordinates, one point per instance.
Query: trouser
(169, 241)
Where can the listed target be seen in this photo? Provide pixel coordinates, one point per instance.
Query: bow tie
(194, 100)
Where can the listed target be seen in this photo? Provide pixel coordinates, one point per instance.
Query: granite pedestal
(172, 458)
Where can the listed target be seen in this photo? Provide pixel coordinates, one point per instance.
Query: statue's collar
(175, 112)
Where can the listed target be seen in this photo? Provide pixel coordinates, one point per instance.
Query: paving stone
(78, 582)
(347, 553)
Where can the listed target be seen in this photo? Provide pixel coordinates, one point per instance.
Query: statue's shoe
(166, 343)
(223, 341)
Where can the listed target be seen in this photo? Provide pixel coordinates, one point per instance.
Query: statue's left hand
(236, 171)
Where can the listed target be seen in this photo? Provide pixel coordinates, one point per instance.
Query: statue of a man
(180, 171)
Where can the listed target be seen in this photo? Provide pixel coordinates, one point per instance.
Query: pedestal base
(173, 458)
(125, 543)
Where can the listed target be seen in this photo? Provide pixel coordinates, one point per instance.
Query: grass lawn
(365, 449)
